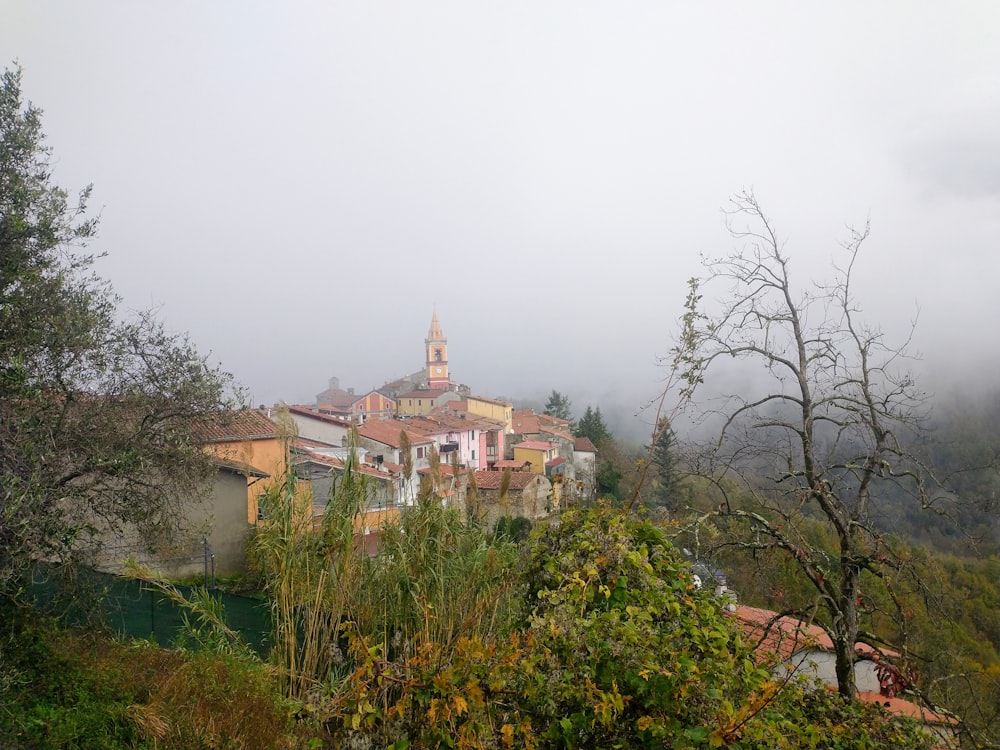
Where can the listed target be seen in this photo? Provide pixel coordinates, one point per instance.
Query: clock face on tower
(438, 370)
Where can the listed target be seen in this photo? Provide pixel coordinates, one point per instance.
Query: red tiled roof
(778, 637)
(232, 426)
(490, 480)
(903, 707)
(556, 462)
(583, 444)
(536, 445)
(387, 432)
(506, 463)
(526, 424)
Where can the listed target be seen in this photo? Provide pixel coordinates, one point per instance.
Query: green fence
(134, 609)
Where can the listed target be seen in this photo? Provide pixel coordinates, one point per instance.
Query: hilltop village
(418, 433)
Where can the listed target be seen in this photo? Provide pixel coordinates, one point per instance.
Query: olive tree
(96, 410)
(820, 428)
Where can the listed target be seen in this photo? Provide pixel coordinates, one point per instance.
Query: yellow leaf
(461, 706)
(507, 730)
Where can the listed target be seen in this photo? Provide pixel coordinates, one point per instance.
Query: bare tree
(819, 432)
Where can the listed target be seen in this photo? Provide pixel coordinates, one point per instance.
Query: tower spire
(437, 356)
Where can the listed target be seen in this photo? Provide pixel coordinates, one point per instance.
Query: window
(420, 452)
(473, 455)
(437, 355)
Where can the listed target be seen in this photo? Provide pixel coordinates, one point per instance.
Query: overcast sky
(299, 184)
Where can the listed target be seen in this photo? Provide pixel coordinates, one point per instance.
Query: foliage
(615, 647)
(559, 406)
(95, 413)
(67, 691)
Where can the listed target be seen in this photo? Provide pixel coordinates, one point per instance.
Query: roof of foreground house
(232, 426)
(778, 637)
(903, 707)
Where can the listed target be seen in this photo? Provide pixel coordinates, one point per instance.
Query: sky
(300, 185)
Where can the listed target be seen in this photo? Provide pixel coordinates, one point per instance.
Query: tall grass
(310, 575)
(435, 578)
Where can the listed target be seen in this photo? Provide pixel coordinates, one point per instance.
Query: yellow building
(249, 438)
(537, 453)
(501, 411)
(424, 401)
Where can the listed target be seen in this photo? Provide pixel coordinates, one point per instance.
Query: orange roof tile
(779, 637)
(506, 463)
(387, 432)
(490, 480)
(903, 707)
(584, 445)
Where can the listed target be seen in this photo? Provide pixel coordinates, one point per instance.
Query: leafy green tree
(95, 412)
(559, 406)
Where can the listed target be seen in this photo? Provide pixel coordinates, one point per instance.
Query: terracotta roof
(777, 637)
(526, 424)
(226, 427)
(506, 463)
(490, 480)
(536, 445)
(584, 445)
(556, 462)
(903, 707)
(387, 432)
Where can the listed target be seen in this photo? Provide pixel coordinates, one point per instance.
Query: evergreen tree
(592, 426)
(559, 406)
(666, 484)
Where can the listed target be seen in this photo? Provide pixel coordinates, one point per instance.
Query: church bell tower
(437, 357)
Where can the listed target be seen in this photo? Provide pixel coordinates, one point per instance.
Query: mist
(301, 185)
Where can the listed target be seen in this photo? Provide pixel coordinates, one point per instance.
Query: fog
(300, 185)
